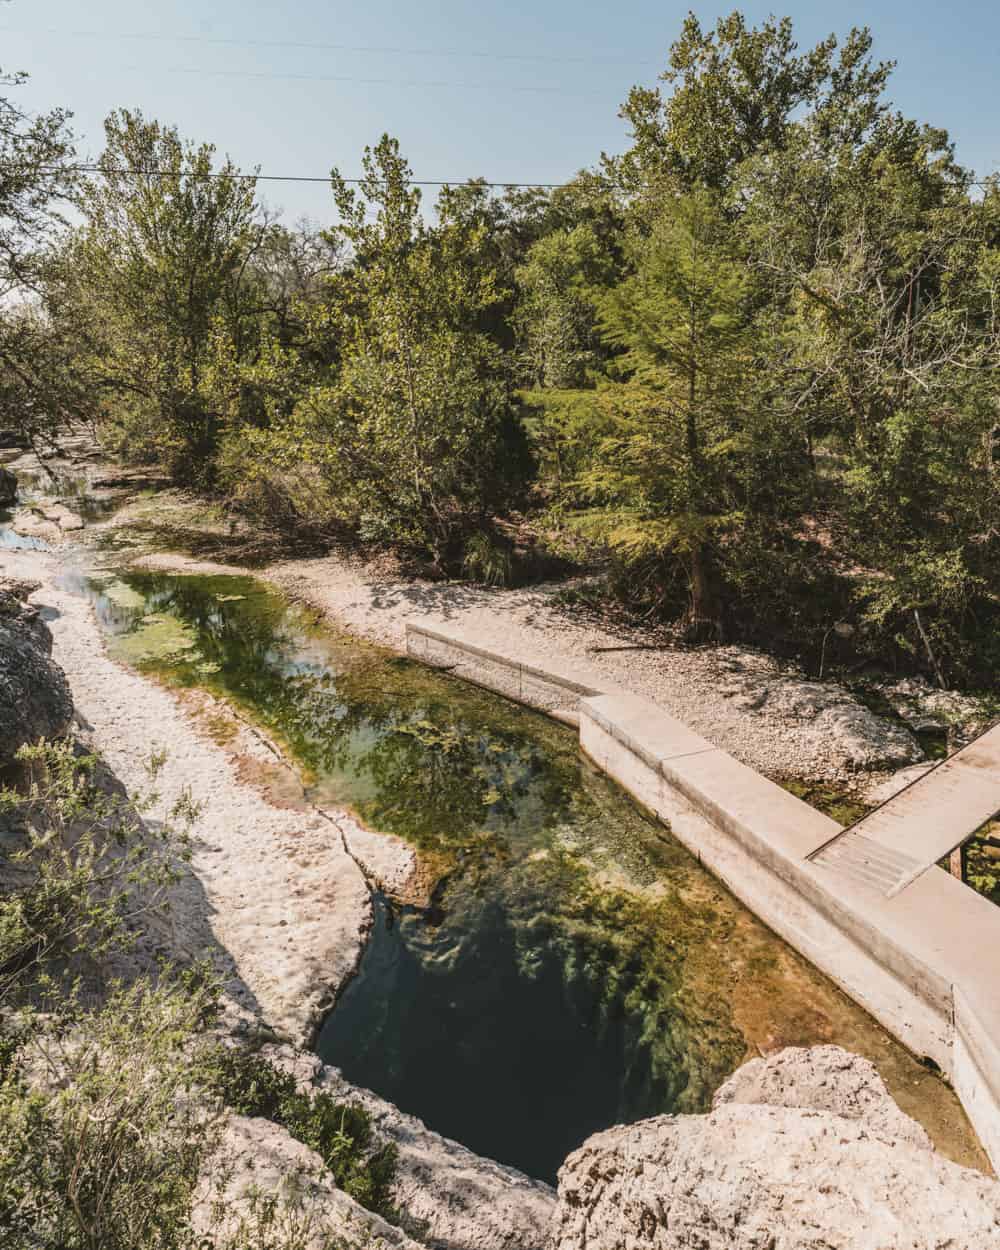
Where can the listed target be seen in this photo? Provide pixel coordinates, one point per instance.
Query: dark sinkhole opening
(513, 1060)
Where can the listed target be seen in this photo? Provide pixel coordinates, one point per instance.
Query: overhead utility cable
(238, 176)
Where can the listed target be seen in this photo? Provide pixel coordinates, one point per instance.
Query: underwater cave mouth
(492, 1042)
(578, 968)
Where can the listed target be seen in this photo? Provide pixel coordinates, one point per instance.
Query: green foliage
(487, 560)
(759, 349)
(83, 872)
(415, 437)
(673, 474)
(158, 263)
(101, 1139)
(556, 317)
(736, 92)
(38, 392)
(340, 1133)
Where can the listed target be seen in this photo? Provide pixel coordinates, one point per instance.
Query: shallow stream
(573, 967)
(570, 966)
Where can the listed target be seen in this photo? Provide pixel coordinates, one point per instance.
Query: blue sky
(525, 92)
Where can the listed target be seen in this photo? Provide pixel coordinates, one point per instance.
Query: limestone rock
(457, 1199)
(926, 709)
(257, 1160)
(827, 716)
(30, 524)
(35, 699)
(60, 515)
(810, 1173)
(46, 521)
(823, 1078)
(8, 487)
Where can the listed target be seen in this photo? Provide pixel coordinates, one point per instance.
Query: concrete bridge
(893, 845)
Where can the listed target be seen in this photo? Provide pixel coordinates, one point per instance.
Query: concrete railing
(923, 962)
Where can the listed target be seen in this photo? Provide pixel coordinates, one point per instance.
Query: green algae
(124, 596)
(158, 640)
(576, 968)
(840, 804)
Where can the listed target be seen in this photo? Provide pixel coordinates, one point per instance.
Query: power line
(381, 82)
(237, 176)
(334, 47)
(241, 177)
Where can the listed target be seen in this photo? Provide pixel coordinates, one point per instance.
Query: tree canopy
(747, 367)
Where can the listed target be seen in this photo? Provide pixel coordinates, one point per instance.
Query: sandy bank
(273, 895)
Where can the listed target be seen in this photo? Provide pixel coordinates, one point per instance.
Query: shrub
(340, 1133)
(86, 870)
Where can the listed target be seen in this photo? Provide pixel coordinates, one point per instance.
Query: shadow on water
(576, 968)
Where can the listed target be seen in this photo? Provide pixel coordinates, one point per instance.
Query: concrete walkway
(894, 844)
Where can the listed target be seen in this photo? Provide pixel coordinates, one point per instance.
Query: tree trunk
(704, 622)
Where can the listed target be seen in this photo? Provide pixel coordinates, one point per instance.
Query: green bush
(340, 1133)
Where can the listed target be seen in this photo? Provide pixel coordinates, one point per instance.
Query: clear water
(17, 542)
(574, 967)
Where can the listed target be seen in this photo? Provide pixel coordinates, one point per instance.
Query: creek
(574, 967)
(567, 964)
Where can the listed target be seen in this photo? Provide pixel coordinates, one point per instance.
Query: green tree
(735, 93)
(667, 477)
(882, 289)
(416, 433)
(39, 394)
(164, 253)
(556, 315)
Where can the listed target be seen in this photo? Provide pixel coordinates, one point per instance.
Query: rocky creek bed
(544, 961)
(552, 937)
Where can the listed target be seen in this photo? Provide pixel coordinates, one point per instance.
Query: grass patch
(340, 1133)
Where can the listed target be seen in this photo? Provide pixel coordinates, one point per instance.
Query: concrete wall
(919, 962)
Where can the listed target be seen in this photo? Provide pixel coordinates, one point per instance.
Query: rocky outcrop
(256, 1161)
(48, 522)
(826, 715)
(823, 1078)
(35, 700)
(802, 1151)
(458, 1200)
(954, 716)
(8, 488)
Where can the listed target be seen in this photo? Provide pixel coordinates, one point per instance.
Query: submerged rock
(805, 1149)
(35, 699)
